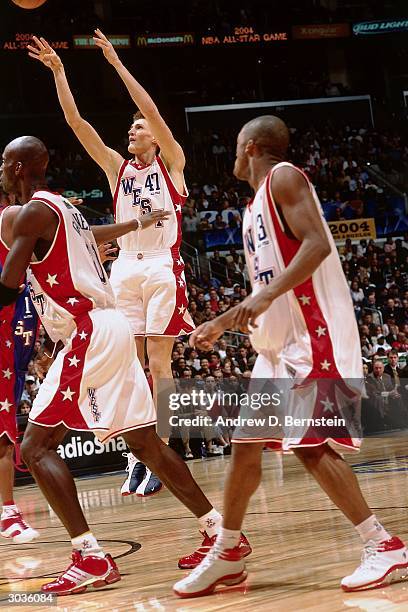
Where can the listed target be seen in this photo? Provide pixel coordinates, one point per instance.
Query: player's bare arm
(33, 230)
(104, 233)
(292, 194)
(170, 149)
(108, 159)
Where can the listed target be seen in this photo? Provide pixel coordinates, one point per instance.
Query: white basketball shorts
(96, 382)
(150, 290)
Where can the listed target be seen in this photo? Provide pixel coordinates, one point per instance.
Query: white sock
(371, 529)
(227, 538)
(88, 545)
(210, 522)
(8, 511)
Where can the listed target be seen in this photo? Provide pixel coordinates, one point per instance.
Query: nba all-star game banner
(84, 454)
(244, 35)
(353, 229)
(321, 30)
(383, 26)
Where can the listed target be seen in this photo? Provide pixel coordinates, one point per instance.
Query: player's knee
(311, 456)
(159, 367)
(31, 453)
(6, 448)
(142, 441)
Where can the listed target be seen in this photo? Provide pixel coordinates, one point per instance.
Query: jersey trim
(116, 192)
(55, 210)
(177, 198)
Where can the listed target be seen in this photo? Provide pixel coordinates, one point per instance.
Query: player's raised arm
(169, 147)
(108, 159)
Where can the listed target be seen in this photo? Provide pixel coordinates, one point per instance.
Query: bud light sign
(364, 28)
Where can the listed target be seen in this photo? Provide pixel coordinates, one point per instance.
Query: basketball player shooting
(302, 324)
(148, 276)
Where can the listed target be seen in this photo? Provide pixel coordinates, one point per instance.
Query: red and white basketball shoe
(225, 567)
(191, 561)
(381, 564)
(84, 572)
(13, 526)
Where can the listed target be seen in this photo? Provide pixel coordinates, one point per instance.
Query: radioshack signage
(177, 39)
(244, 35)
(119, 41)
(324, 30)
(387, 26)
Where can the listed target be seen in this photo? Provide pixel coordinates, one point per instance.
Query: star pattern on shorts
(181, 282)
(8, 343)
(5, 405)
(325, 365)
(68, 394)
(328, 405)
(321, 331)
(178, 208)
(179, 262)
(73, 361)
(83, 335)
(72, 301)
(305, 299)
(7, 374)
(181, 309)
(52, 280)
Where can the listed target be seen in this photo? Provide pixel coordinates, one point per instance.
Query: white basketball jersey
(140, 190)
(312, 328)
(70, 281)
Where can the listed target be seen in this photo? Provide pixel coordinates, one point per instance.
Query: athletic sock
(88, 545)
(227, 538)
(210, 522)
(371, 529)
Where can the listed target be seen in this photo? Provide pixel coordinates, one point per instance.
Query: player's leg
(140, 479)
(225, 564)
(385, 557)
(12, 523)
(159, 349)
(168, 465)
(90, 565)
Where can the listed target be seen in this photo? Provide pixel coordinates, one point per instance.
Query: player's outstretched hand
(246, 313)
(45, 53)
(103, 43)
(75, 201)
(205, 335)
(153, 217)
(107, 252)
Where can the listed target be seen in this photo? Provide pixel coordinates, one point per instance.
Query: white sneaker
(225, 567)
(14, 527)
(381, 564)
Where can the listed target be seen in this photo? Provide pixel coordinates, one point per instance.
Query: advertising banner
(170, 39)
(353, 229)
(382, 26)
(321, 30)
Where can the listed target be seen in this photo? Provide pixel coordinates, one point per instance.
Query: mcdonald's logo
(189, 39)
(141, 41)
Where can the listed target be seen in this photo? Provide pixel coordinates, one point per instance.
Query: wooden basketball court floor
(302, 544)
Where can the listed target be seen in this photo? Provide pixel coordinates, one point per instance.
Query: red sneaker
(84, 572)
(191, 561)
(13, 526)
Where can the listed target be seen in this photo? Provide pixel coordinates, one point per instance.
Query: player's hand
(43, 52)
(246, 313)
(107, 252)
(205, 335)
(75, 201)
(107, 48)
(153, 217)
